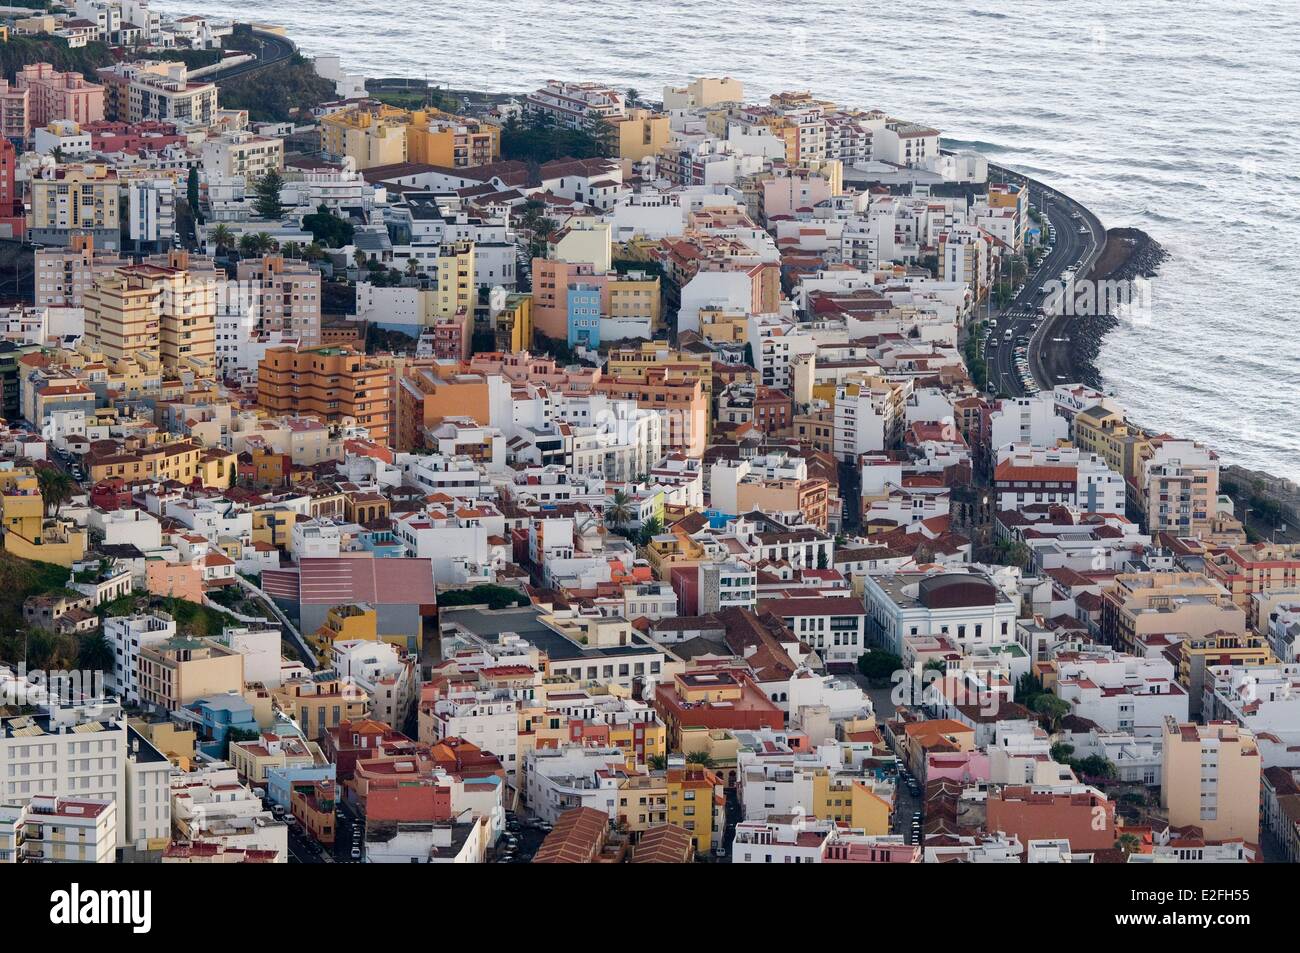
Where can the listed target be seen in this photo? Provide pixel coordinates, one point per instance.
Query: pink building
(56, 95)
(963, 766)
(179, 580)
(15, 118)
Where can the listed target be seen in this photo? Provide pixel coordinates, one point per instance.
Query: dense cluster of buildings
(428, 504)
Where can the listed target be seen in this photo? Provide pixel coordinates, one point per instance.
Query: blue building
(584, 315)
(280, 781)
(215, 716)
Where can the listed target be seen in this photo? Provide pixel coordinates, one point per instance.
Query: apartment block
(1211, 779)
(333, 384)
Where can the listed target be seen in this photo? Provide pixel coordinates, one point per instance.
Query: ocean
(1182, 119)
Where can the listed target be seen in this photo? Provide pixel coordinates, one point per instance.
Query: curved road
(1079, 242)
(272, 49)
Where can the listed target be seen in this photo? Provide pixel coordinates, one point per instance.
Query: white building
(967, 607)
(1121, 692)
(560, 779)
(86, 751)
(127, 635)
(210, 805)
(152, 211)
(59, 830)
(488, 719)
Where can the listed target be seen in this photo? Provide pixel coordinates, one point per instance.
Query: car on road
(356, 853)
(1008, 335)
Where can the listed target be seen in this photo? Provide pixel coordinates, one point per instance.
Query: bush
(496, 597)
(877, 666)
(277, 93)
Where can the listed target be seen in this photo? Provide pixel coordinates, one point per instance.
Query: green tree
(877, 666)
(267, 203)
(192, 193)
(657, 762)
(1061, 752)
(56, 488)
(1095, 766)
(95, 654)
(222, 238)
(1051, 708)
(650, 529)
(699, 757)
(327, 228)
(619, 512)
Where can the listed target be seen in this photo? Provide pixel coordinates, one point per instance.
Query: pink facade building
(56, 95)
(15, 114)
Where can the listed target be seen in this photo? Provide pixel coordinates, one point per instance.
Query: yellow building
(153, 308)
(372, 134)
(642, 133)
(344, 623)
(274, 525)
(1211, 779)
(376, 134)
(514, 324)
(175, 743)
(28, 533)
(1108, 434)
(83, 196)
(697, 804)
(253, 759)
(173, 673)
(634, 297)
(637, 362)
(183, 462)
(21, 505)
(642, 803)
(723, 326)
(450, 141)
(456, 290)
(320, 702)
(850, 801)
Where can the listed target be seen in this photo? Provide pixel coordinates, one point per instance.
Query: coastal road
(271, 49)
(1080, 238)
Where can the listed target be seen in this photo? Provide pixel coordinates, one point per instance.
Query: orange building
(332, 384)
(427, 395)
(679, 398)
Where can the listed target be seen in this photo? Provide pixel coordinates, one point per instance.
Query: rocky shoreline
(1129, 253)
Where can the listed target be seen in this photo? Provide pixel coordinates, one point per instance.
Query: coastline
(1128, 253)
(1132, 253)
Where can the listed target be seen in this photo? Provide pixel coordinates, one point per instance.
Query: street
(1020, 315)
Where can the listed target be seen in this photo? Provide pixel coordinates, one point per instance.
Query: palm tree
(222, 237)
(650, 529)
(248, 245)
(56, 488)
(412, 267)
(265, 243)
(291, 249)
(619, 512)
(699, 757)
(95, 654)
